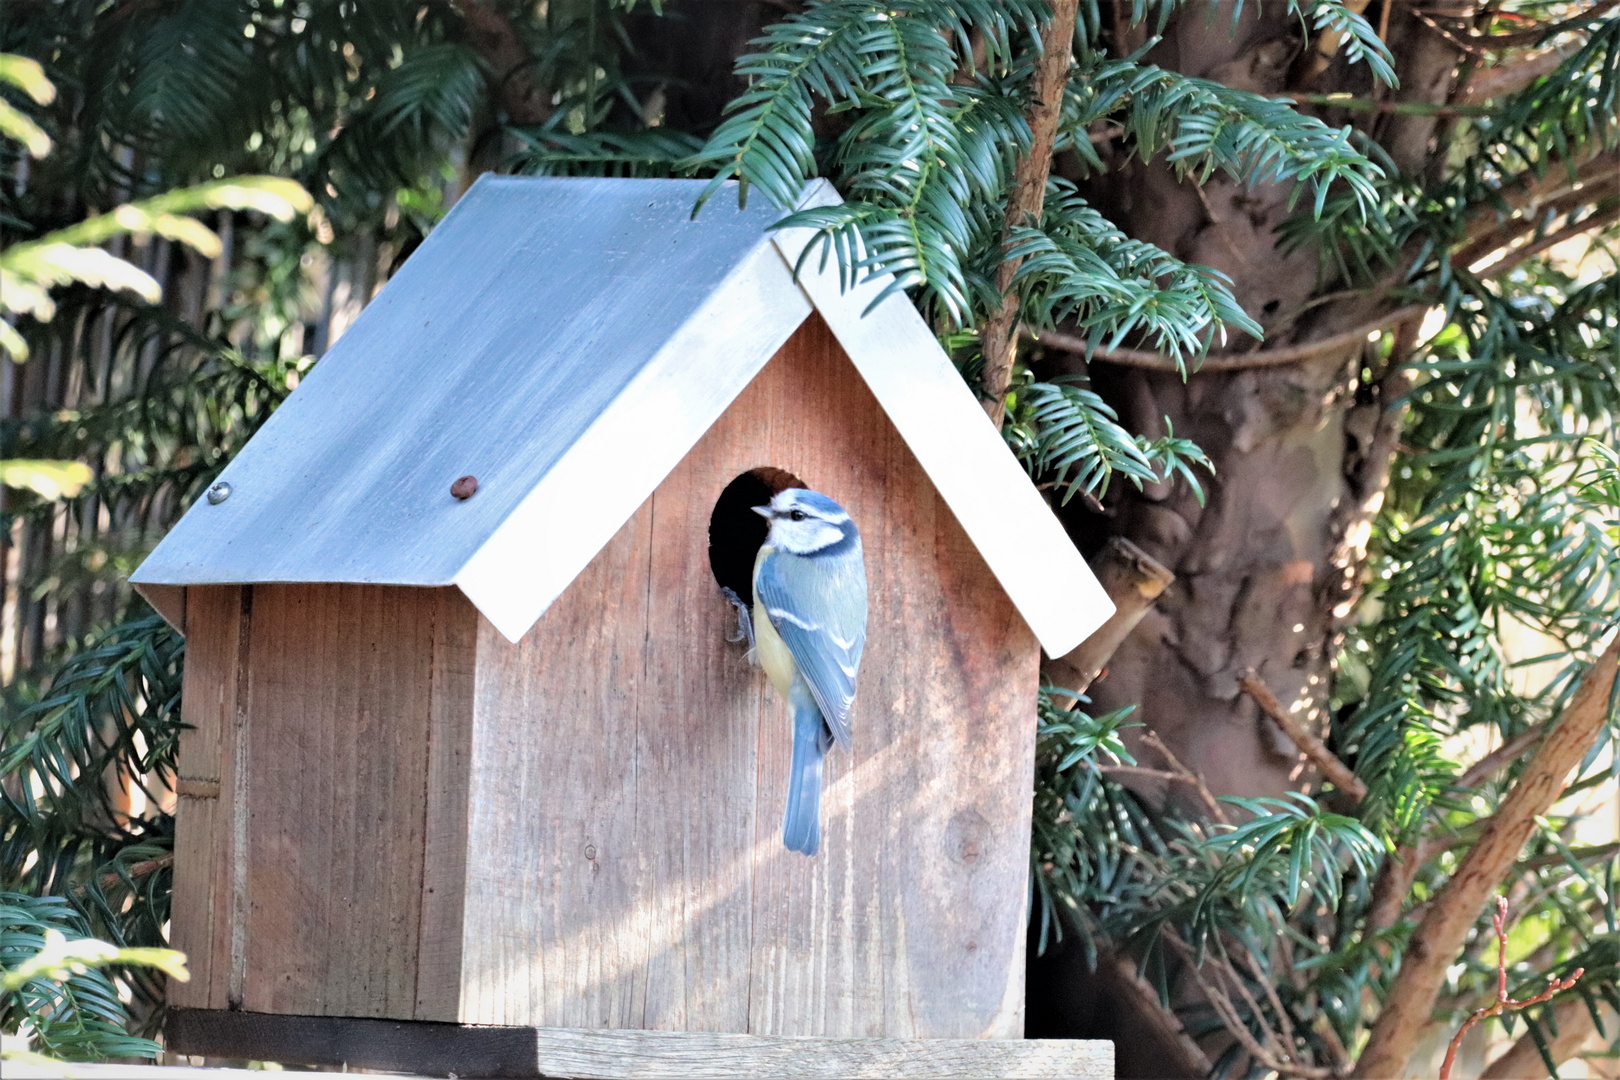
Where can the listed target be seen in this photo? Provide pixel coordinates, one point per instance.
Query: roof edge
(669, 404)
(969, 462)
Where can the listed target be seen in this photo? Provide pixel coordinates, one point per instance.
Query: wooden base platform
(467, 1051)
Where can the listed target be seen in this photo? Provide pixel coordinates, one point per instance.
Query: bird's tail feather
(801, 823)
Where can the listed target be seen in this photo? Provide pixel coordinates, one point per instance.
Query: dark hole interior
(735, 531)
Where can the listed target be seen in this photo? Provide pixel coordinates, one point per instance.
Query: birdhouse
(472, 754)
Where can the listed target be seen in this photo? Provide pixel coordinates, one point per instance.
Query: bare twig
(1510, 77)
(998, 338)
(1293, 354)
(1572, 1022)
(1502, 756)
(1233, 1022)
(1475, 42)
(140, 869)
(1518, 255)
(1580, 854)
(1503, 1003)
(1185, 1056)
(1527, 194)
(1309, 745)
(1441, 935)
(1406, 108)
(1147, 774)
(1152, 739)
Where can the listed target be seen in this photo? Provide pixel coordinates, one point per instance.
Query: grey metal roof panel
(506, 334)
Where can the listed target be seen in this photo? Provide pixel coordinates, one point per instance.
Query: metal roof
(543, 339)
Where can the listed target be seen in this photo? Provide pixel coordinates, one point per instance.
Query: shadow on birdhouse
(473, 781)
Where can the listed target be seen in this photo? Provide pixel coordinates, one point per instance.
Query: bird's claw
(745, 620)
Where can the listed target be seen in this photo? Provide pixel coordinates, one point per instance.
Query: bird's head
(804, 522)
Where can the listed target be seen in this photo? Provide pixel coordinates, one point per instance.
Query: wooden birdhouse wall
(583, 829)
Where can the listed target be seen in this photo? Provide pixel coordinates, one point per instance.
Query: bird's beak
(762, 511)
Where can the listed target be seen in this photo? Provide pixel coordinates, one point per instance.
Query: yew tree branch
(1502, 756)
(1151, 739)
(1290, 354)
(1451, 915)
(1516, 256)
(1303, 737)
(1394, 882)
(1572, 1023)
(999, 336)
(1503, 1003)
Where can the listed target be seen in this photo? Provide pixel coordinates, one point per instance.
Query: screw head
(465, 488)
(590, 851)
(219, 493)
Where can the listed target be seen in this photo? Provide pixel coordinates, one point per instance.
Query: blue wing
(818, 606)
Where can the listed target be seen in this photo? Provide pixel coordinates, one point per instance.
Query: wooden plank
(555, 925)
(200, 913)
(449, 1049)
(629, 769)
(444, 865)
(910, 921)
(696, 1054)
(340, 703)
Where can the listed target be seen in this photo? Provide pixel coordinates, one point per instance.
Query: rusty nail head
(465, 488)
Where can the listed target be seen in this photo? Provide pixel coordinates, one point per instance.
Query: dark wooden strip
(424, 1048)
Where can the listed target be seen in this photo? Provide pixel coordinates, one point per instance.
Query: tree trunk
(1267, 569)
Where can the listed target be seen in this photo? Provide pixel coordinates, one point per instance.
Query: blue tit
(810, 626)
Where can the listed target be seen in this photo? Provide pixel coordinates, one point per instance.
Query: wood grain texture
(449, 1049)
(444, 864)
(340, 711)
(625, 867)
(199, 919)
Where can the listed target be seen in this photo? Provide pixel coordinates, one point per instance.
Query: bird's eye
(796, 515)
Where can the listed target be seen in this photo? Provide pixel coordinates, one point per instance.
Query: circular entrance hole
(736, 532)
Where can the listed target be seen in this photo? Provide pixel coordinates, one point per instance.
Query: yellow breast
(769, 647)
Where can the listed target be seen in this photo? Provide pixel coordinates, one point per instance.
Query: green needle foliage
(1499, 515)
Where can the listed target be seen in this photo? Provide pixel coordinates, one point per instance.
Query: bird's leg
(745, 621)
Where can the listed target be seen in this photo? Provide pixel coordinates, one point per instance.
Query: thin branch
(1293, 354)
(1503, 1003)
(1312, 747)
(1516, 256)
(1510, 77)
(1572, 1021)
(999, 337)
(1145, 773)
(1502, 756)
(1233, 1022)
(1482, 43)
(1214, 807)
(1580, 855)
(1528, 193)
(140, 869)
(1405, 108)
(1441, 935)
